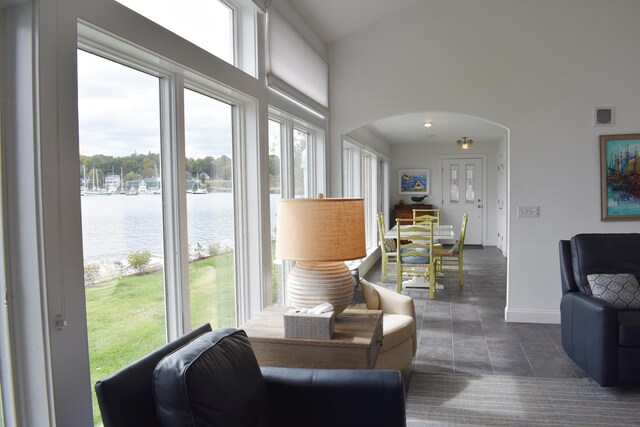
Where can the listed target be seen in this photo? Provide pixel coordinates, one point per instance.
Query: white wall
(535, 67)
(416, 156)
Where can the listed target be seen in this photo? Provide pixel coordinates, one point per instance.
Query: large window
(210, 209)
(364, 176)
(122, 232)
(294, 171)
(208, 24)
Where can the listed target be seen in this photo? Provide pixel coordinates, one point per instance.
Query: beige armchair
(399, 341)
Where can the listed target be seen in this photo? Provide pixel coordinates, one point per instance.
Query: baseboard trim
(532, 316)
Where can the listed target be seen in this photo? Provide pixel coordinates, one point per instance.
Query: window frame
(44, 243)
(315, 161)
(365, 174)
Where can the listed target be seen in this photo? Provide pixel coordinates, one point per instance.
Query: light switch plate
(528, 211)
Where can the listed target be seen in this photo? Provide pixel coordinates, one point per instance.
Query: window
(208, 24)
(363, 176)
(122, 227)
(210, 210)
(371, 194)
(295, 148)
(275, 194)
(469, 194)
(454, 191)
(351, 170)
(300, 163)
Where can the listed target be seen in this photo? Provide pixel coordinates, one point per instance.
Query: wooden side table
(355, 342)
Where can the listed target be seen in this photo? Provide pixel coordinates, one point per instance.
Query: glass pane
(210, 210)
(469, 194)
(300, 163)
(205, 23)
(454, 192)
(119, 132)
(275, 193)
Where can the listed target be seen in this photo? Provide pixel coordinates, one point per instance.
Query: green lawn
(126, 318)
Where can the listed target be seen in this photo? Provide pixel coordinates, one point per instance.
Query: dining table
(440, 232)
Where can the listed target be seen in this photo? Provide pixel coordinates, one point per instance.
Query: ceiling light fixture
(464, 143)
(428, 124)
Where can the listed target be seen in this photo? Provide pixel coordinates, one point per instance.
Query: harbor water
(114, 226)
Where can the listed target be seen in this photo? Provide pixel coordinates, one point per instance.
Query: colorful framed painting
(414, 182)
(620, 177)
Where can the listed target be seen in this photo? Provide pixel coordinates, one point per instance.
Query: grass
(126, 317)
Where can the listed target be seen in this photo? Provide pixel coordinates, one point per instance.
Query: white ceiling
(447, 127)
(333, 20)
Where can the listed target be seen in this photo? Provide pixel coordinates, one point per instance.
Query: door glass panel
(210, 209)
(454, 192)
(205, 23)
(275, 193)
(122, 235)
(469, 194)
(300, 163)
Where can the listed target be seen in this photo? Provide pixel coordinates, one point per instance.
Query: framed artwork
(414, 182)
(620, 177)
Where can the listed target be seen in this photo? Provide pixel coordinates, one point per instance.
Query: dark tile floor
(463, 330)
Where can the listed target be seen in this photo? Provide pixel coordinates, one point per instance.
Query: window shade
(293, 66)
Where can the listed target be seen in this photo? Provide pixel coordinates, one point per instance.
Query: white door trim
(483, 157)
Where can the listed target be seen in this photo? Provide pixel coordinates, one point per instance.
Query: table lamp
(320, 234)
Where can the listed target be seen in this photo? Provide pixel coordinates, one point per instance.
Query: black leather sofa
(211, 378)
(603, 340)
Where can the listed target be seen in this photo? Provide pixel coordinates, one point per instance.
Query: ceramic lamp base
(312, 283)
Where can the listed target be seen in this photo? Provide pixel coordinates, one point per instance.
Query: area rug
(473, 400)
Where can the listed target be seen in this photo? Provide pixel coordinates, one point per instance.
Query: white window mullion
(176, 256)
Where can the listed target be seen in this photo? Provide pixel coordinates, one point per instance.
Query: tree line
(139, 166)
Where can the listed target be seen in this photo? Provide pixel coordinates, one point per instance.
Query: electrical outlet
(528, 211)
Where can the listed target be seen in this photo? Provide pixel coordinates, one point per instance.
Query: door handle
(479, 206)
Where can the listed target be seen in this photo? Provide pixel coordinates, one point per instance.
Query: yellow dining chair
(387, 247)
(418, 213)
(450, 259)
(415, 252)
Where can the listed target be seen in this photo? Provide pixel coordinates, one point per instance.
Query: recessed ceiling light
(428, 124)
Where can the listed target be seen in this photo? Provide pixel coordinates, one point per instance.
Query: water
(114, 226)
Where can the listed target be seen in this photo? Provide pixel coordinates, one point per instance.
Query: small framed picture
(414, 182)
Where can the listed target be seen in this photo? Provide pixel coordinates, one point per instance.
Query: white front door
(462, 192)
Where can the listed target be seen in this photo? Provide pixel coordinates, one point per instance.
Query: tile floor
(463, 330)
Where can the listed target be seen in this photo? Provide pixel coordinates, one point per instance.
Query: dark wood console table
(406, 211)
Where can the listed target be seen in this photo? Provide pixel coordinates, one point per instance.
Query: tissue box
(304, 325)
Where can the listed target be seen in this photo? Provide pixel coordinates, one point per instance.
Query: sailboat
(197, 186)
(95, 187)
(158, 189)
(122, 183)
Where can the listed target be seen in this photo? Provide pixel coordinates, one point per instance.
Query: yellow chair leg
(460, 272)
(432, 281)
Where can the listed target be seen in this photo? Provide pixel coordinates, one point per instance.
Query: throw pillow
(455, 248)
(622, 291)
(389, 245)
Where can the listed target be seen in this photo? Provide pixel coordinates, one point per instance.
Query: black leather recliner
(602, 340)
(212, 378)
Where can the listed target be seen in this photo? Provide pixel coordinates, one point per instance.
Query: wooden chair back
(418, 215)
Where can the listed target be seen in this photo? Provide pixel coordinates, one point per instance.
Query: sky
(118, 107)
